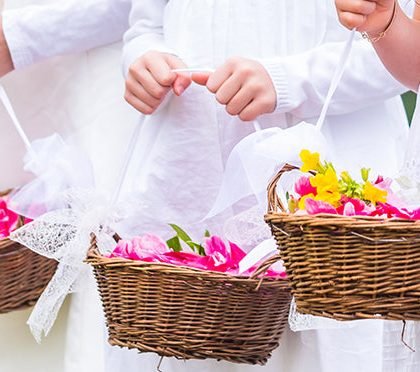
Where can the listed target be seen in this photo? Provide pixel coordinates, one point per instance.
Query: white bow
(64, 235)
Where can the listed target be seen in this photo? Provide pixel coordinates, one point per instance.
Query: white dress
(191, 137)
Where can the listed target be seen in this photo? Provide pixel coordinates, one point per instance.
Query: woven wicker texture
(23, 275)
(349, 267)
(190, 314)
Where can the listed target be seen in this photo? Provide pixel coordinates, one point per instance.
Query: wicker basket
(349, 267)
(23, 275)
(190, 314)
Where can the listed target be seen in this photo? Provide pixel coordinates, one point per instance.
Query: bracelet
(381, 35)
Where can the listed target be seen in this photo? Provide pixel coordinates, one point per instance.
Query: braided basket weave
(23, 275)
(348, 267)
(188, 313)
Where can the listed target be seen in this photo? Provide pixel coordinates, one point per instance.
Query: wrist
(388, 20)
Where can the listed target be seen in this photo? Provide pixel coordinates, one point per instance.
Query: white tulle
(67, 209)
(64, 235)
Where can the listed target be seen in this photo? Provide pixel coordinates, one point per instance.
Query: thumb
(182, 81)
(200, 78)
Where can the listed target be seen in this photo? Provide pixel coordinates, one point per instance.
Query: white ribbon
(255, 160)
(64, 235)
(67, 209)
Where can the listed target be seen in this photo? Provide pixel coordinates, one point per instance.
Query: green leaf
(287, 196)
(365, 174)
(174, 244)
(181, 233)
(207, 234)
(197, 248)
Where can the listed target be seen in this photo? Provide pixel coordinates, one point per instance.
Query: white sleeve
(146, 30)
(302, 80)
(34, 33)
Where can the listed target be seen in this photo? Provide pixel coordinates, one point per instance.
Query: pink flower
(416, 214)
(353, 207)
(140, 247)
(224, 258)
(303, 186)
(182, 259)
(8, 219)
(390, 211)
(220, 256)
(318, 206)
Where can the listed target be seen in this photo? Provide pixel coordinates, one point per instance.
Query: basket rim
(94, 258)
(355, 221)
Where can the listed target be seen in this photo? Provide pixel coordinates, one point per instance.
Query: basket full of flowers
(350, 246)
(192, 304)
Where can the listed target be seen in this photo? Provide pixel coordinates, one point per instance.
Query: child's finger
(256, 108)
(161, 70)
(352, 20)
(138, 91)
(145, 78)
(363, 7)
(228, 90)
(138, 104)
(200, 78)
(238, 103)
(182, 81)
(217, 78)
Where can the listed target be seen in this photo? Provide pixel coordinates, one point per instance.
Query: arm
(398, 47)
(145, 32)
(400, 50)
(6, 63)
(302, 80)
(35, 33)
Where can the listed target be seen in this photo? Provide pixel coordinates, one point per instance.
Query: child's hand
(243, 86)
(372, 16)
(150, 78)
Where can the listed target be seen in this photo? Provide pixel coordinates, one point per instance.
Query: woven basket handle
(265, 266)
(274, 202)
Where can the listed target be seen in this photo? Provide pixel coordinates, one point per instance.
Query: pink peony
(140, 247)
(224, 258)
(318, 206)
(303, 186)
(220, 257)
(8, 219)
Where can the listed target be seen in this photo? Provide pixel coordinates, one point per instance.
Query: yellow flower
(301, 204)
(310, 160)
(327, 182)
(332, 198)
(374, 194)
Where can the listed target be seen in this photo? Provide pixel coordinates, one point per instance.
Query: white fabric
(81, 96)
(181, 174)
(79, 25)
(410, 173)
(297, 41)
